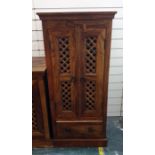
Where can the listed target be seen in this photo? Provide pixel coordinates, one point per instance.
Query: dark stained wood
(77, 15)
(83, 130)
(40, 126)
(77, 48)
(64, 75)
(92, 68)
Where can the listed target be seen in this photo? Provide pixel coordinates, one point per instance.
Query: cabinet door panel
(63, 63)
(37, 117)
(92, 70)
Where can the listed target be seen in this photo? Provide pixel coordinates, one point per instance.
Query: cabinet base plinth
(79, 142)
(42, 144)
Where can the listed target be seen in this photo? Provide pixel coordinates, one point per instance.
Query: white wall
(116, 61)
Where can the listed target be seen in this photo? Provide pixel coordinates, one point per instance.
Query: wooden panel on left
(40, 115)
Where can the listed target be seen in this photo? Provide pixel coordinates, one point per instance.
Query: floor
(115, 143)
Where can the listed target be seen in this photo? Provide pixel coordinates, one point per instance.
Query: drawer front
(79, 130)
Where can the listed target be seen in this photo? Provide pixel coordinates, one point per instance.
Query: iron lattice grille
(90, 58)
(34, 117)
(64, 56)
(90, 95)
(66, 95)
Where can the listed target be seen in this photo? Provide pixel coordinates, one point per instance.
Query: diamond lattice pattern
(64, 58)
(66, 95)
(90, 96)
(34, 117)
(90, 58)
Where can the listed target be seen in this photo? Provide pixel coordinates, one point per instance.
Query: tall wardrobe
(77, 51)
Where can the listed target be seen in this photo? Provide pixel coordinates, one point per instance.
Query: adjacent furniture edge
(38, 66)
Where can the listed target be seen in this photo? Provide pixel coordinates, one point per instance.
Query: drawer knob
(82, 79)
(67, 130)
(72, 79)
(90, 130)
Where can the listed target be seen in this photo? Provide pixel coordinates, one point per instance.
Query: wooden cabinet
(77, 49)
(40, 126)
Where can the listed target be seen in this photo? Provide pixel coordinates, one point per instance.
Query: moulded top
(76, 15)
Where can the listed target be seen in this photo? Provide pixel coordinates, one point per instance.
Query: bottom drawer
(79, 130)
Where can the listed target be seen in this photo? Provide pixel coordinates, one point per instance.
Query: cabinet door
(37, 116)
(92, 44)
(63, 56)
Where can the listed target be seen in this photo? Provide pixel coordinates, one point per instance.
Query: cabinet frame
(86, 21)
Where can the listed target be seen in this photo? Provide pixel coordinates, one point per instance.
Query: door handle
(67, 130)
(72, 79)
(90, 130)
(82, 79)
